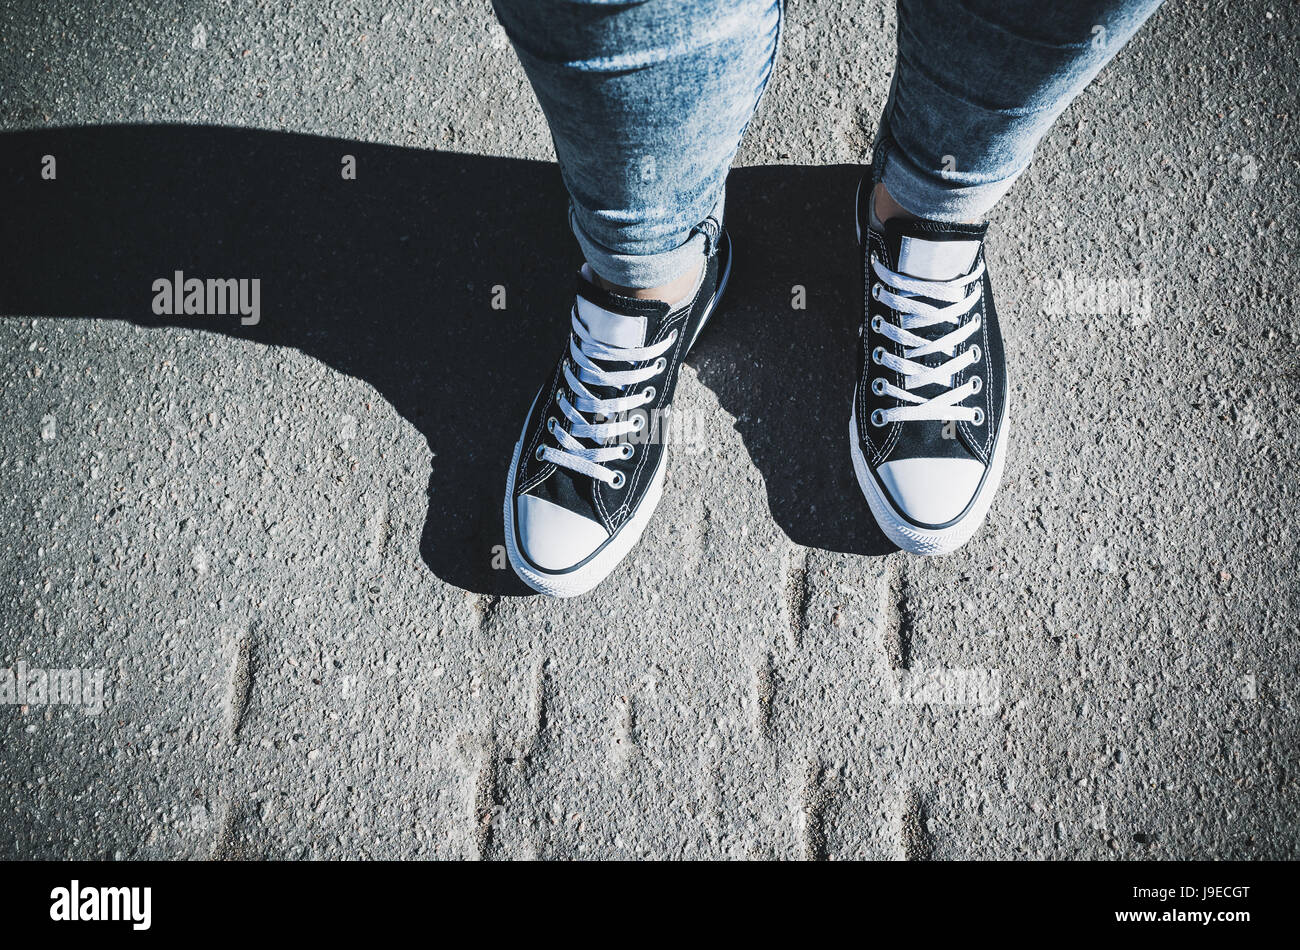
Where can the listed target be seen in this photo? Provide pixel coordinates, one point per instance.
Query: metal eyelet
(648, 394)
(660, 364)
(878, 386)
(628, 450)
(979, 416)
(878, 354)
(878, 418)
(538, 454)
(638, 421)
(617, 481)
(976, 384)
(976, 352)
(550, 424)
(875, 291)
(876, 323)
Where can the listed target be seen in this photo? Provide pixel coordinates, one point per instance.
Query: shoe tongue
(615, 320)
(612, 329)
(934, 250)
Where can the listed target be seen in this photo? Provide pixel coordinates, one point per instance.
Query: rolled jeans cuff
(647, 270)
(938, 199)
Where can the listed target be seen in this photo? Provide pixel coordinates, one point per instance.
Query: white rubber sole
(927, 541)
(582, 579)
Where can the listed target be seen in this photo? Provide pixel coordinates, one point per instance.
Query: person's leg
(647, 102)
(976, 86)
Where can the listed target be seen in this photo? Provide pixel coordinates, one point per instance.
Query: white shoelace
(900, 292)
(585, 350)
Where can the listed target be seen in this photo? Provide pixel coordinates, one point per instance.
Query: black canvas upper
(925, 439)
(590, 497)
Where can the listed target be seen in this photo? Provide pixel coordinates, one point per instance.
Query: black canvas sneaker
(588, 469)
(928, 428)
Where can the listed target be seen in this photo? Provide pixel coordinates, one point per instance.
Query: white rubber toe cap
(931, 491)
(555, 538)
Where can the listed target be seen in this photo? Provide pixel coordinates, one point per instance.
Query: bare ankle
(885, 207)
(670, 292)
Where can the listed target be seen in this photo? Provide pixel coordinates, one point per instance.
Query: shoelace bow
(585, 349)
(900, 292)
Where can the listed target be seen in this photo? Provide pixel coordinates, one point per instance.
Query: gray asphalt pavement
(277, 542)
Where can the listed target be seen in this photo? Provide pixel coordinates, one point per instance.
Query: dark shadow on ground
(787, 374)
(390, 277)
